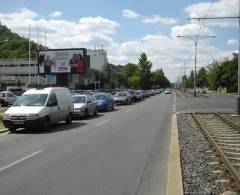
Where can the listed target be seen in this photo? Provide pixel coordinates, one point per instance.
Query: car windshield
(79, 99)
(31, 100)
(121, 94)
(99, 96)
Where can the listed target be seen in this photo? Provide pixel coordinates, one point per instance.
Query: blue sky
(128, 27)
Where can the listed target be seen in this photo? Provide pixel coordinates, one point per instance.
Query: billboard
(56, 61)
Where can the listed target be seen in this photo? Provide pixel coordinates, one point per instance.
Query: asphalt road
(124, 152)
(212, 102)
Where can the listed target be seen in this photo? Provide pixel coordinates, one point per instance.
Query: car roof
(46, 90)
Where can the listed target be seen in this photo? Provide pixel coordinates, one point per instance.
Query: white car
(168, 91)
(39, 108)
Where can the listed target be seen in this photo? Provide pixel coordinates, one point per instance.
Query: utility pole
(37, 56)
(233, 17)
(184, 77)
(29, 56)
(195, 38)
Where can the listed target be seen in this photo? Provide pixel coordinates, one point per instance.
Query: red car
(7, 98)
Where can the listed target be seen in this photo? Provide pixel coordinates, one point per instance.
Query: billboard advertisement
(56, 61)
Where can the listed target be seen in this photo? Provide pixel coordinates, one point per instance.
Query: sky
(128, 28)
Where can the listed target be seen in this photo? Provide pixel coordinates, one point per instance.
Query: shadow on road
(61, 126)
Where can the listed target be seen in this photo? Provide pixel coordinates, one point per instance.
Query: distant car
(122, 98)
(139, 95)
(168, 91)
(7, 98)
(133, 95)
(158, 91)
(152, 92)
(84, 105)
(105, 101)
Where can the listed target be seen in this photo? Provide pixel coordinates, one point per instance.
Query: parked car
(84, 105)
(167, 91)
(122, 98)
(7, 98)
(39, 108)
(133, 95)
(139, 95)
(152, 92)
(105, 101)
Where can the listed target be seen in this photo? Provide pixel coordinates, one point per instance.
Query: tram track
(224, 136)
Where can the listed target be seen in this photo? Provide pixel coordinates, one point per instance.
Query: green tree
(201, 78)
(159, 80)
(145, 71)
(190, 80)
(134, 81)
(15, 46)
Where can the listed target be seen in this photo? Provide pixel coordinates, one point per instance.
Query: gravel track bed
(202, 171)
(233, 118)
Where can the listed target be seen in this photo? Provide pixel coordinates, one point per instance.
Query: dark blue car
(105, 101)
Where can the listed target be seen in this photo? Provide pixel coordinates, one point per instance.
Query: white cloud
(232, 42)
(221, 8)
(86, 32)
(129, 14)
(162, 52)
(159, 20)
(56, 14)
(191, 30)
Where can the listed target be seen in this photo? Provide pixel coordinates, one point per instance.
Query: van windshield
(31, 100)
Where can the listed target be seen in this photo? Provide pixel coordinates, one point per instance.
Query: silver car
(84, 105)
(122, 98)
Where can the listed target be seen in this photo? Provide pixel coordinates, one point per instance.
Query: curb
(3, 130)
(174, 182)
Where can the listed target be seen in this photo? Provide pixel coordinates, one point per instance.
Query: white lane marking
(103, 122)
(174, 103)
(20, 160)
(129, 110)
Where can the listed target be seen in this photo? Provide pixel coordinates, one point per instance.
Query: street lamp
(195, 38)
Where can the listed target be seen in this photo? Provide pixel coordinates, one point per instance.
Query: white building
(98, 57)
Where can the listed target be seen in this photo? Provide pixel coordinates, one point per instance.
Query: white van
(39, 108)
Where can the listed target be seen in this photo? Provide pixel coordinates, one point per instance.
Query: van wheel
(85, 114)
(45, 124)
(13, 130)
(69, 119)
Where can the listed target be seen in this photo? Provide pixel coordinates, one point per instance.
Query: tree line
(217, 75)
(138, 76)
(13, 46)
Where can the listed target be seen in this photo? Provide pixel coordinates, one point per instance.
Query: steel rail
(234, 173)
(232, 124)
